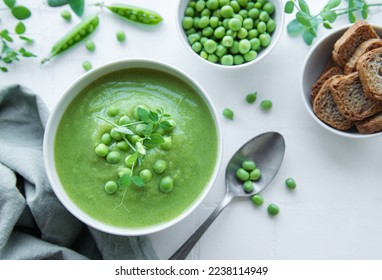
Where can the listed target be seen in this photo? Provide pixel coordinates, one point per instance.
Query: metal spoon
(267, 150)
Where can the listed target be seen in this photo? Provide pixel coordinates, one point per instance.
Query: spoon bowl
(267, 151)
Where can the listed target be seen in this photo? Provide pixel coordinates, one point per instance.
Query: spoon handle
(185, 249)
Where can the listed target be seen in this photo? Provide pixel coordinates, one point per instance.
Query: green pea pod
(135, 14)
(75, 35)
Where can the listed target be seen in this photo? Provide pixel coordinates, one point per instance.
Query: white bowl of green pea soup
(133, 147)
(230, 34)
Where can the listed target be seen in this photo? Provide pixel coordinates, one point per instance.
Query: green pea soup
(190, 161)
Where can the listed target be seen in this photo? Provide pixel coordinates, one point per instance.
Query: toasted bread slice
(323, 78)
(370, 125)
(345, 47)
(351, 100)
(351, 65)
(326, 109)
(369, 67)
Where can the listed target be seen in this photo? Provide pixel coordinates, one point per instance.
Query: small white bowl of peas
(230, 34)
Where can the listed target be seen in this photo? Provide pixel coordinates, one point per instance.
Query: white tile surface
(336, 211)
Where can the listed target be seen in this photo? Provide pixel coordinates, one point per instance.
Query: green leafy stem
(306, 23)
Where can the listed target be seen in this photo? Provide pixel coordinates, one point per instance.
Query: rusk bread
(351, 65)
(369, 67)
(323, 78)
(345, 47)
(370, 125)
(326, 109)
(351, 100)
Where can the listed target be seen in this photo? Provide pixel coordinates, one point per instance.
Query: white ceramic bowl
(58, 112)
(278, 17)
(313, 66)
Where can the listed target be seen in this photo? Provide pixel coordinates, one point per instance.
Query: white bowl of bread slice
(342, 81)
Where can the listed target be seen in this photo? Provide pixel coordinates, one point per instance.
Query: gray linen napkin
(33, 223)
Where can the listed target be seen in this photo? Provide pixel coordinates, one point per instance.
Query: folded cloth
(33, 222)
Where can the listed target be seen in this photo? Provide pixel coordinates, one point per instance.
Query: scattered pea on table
(257, 200)
(66, 15)
(228, 113)
(121, 36)
(266, 105)
(251, 97)
(273, 209)
(87, 65)
(290, 183)
(90, 45)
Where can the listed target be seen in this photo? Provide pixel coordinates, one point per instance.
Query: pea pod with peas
(135, 14)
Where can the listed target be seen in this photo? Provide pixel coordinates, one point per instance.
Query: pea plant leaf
(332, 4)
(21, 12)
(143, 114)
(138, 181)
(154, 140)
(295, 28)
(20, 28)
(125, 181)
(304, 6)
(77, 6)
(330, 16)
(308, 37)
(9, 3)
(304, 18)
(26, 39)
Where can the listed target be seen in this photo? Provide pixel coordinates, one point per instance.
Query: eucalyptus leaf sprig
(307, 23)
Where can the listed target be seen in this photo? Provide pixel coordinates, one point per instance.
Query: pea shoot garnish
(127, 143)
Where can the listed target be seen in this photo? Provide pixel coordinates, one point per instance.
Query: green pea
(193, 38)
(224, 2)
(269, 8)
(231, 33)
(112, 111)
(273, 209)
(235, 48)
(111, 187)
(254, 13)
(159, 166)
(166, 184)
(265, 39)
(255, 44)
(106, 139)
(244, 46)
(271, 25)
(122, 171)
(220, 51)
(242, 3)
(140, 128)
(225, 23)
(266, 105)
(238, 59)
(192, 4)
(243, 14)
(228, 113)
(234, 24)
(87, 65)
(207, 31)
(235, 6)
(257, 200)
(217, 14)
(249, 56)
(239, 17)
(213, 58)
(123, 146)
(134, 138)
(264, 16)
(248, 186)
(146, 175)
(101, 150)
(190, 12)
(197, 47)
(248, 165)
(90, 46)
(251, 97)
(196, 22)
(205, 13)
(227, 41)
(219, 32)
(115, 134)
(210, 46)
(214, 21)
(113, 157)
(203, 54)
(242, 33)
(200, 5)
(248, 23)
(253, 33)
(226, 59)
(187, 22)
(290, 183)
(171, 124)
(129, 162)
(203, 40)
(258, 5)
(261, 27)
(242, 174)
(212, 4)
(255, 174)
(167, 144)
(204, 22)
(226, 11)
(124, 120)
(66, 15)
(250, 6)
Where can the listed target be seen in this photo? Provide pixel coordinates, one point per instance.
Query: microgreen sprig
(307, 24)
